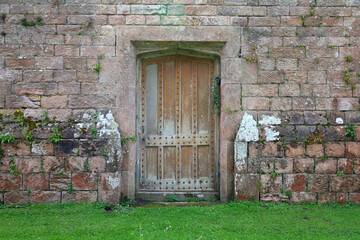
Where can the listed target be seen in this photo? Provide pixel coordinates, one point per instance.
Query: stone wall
(287, 96)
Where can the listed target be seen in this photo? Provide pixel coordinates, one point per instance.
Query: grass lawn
(221, 221)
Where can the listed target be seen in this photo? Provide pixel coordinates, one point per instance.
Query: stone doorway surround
(224, 41)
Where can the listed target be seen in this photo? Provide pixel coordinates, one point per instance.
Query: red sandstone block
(264, 21)
(60, 181)
(74, 164)
(325, 198)
(346, 183)
(94, 51)
(19, 148)
(42, 148)
(28, 164)
(267, 149)
(10, 182)
(355, 198)
(352, 149)
(135, 19)
(246, 187)
(256, 103)
(291, 21)
(28, 89)
(289, 90)
(284, 165)
(84, 181)
(116, 19)
(74, 62)
(53, 164)
(36, 181)
(303, 104)
(54, 102)
(335, 149)
(123, 9)
(281, 104)
(317, 183)
(288, 52)
(346, 165)
(20, 102)
(77, 9)
(16, 197)
(91, 101)
(270, 77)
(304, 165)
(69, 88)
(49, 62)
(342, 198)
(294, 182)
(303, 197)
(37, 76)
(20, 63)
(44, 197)
(97, 164)
(295, 150)
(78, 197)
(109, 187)
(66, 50)
(106, 9)
(315, 150)
(200, 10)
(64, 75)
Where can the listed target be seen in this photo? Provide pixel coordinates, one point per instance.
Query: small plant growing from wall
(97, 67)
(26, 23)
(56, 136)
(349, 58)
(13, 170)
(7, 138)
(94, 133)
(350, 130)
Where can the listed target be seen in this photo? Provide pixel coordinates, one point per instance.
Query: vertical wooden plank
(169, 119)
(186, 162)
(194, 116)
(152, 163)
(151, 99)
(169, 155)
(186, 97)
(203, 98)
(203, 161)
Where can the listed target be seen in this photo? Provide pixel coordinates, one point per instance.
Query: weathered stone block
(304, 165)
(294, 182)
(246, 187)
(84, 181)
(44, 197)
(79, 196)
(16, 197)
(36, 181)
(10, 182)
(60, 181)
(109, 187)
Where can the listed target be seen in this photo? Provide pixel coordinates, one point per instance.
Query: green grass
(224, 221)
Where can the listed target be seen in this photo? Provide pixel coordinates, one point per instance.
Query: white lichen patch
(240, 149)
(271, 134)
(248, 130)
(114, 182)
(269, 120)
(339, 121)
(107, 126)
(38, 148)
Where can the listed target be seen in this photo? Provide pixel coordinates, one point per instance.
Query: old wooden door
(178, 132)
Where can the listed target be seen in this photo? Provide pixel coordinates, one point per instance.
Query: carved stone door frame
(223, 41)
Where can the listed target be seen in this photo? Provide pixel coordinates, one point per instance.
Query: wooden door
(178, 147)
